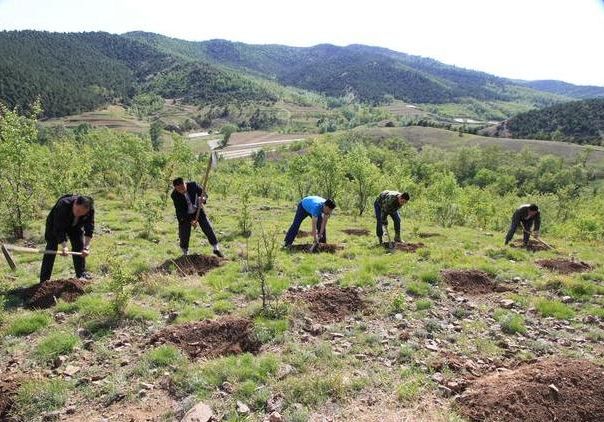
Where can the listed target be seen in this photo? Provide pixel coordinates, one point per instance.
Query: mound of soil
(330, 303)
(7, 391)
(551, 390)
(356, 232)
(323, 247)
(564, 266)
(532, 245)
(405, 247)
(190, 265)
(46, 294)
(425, 235)
(209, 339)
(471, 281)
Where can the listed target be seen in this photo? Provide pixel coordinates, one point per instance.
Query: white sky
(523, 39)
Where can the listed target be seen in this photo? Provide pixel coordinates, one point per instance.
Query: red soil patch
(190, 265)
(551, 390)
(7, 391)
(44, 295)
(209, 339)
(356, 232)
(405, 247)
(330, 303)
(471, 281)
(532, 245)
(564, 266)
(323, 247)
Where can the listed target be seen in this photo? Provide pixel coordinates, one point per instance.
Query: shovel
(538, 239)
(390, 242)
(11, 261)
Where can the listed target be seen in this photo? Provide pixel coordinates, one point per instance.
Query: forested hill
(71, 73)
(576, 121)
(569, 90)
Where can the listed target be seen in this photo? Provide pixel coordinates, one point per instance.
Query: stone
(71, 370)
(567, 299)
(507, 303)
(59, 360)
(227, 387)
(438, 378)
(398, 317)
(201, 412)
(275, 403)
(275, 417)
(285, 370)
(242, 408)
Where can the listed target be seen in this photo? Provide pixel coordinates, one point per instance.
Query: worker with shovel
(387, 204)
(72, 217)
(527, 215)
(320, 210)
(189, 198)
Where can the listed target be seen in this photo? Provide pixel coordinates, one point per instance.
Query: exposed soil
(550, 390)
(7, 391)
(190, 265)
(330, 303)
(323, 247)
(564, 266)
(532, 245)
(44, 295)
(405, 247)
(356, 232)
(211, 338)
(471, 281)
(425, 235)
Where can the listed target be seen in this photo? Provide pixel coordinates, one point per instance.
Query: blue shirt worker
(320, 210)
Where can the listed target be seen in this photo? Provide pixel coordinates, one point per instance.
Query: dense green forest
(578, 121)
(569, 90)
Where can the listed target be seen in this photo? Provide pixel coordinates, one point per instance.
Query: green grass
(419, 288)
(423, 304)
(37, 396)
(55, 345)
(165, 355)
(511, 323)
(554, 308)
(414, 383)
(23, 325)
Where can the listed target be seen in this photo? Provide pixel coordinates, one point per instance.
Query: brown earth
(532, 245)
(45, 295)
(471, 281)
(425, 235)
(330, 303)
(550, 390)
(323, 247)
(303, 233)
(405, 247)
(211, 338)
(7, 391)
(564, 266)
(190, 265)
(356, 232)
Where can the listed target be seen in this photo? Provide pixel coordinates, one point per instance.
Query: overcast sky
(523, 39)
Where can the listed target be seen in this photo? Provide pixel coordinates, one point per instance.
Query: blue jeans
(301, 214)
(396, 218)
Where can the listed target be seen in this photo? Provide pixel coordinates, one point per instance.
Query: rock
(275, 403)
(507, 303)
(60, 316)
(285, 370)
(147, 386)
(70, 410)
(242, 408)
(201, 412)
(51, 416)
(554, 391)
(275, 417)
(84, 333)
(87, 344)
(445, 391)
(172, 316)
(71, 370)
(227, 387)
(438, 378)
(398, 317)
(516, 279)
(59, 360)
(567, 299)
(431, 347)
(316, 329)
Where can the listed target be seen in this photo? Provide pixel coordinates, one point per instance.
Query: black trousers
(76, 238)
(301, 214)
(184, 229)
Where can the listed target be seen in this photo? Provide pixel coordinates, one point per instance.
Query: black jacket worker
(72, 217)
(188, 197)
(527, 216)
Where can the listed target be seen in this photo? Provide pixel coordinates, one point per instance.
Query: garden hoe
(11, 261)
(538, 239)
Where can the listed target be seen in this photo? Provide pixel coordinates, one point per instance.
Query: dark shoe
(86, 276)
(218, 253)
(397, 239)
(380, 241)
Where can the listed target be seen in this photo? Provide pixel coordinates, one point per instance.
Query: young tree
(364, 175)
(326, 168)
(227, 131)
(155, 134)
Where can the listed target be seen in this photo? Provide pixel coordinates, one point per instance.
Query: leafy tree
(326, 169)
(155, 133)
(364, 175)
(227, 131)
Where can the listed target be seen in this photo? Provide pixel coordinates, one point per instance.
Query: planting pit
(356, 232)
(190, 265)
(471, 281)
(564, 266)
(322, 247)
(211, 338)
(550, 390)
(404, 247)
(532, 246)
(329, 303)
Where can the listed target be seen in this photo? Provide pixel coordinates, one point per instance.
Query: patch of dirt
(532, 245)
(551, 390)
(471, 281)
(46, 294)
(211, 338)
(329, 303)
(426, 235)
(405, 247)
(7, 391)
(564, 266)
(356, 232)
(190, 265)
(323, 247)
(303, 233)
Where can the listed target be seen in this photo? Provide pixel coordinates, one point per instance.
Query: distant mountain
(566, 89)
(579, 122)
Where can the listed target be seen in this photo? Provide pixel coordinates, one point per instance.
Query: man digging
(528, 216)
(71, 217)
(387, 204)
(188, 198)
(320, 210)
